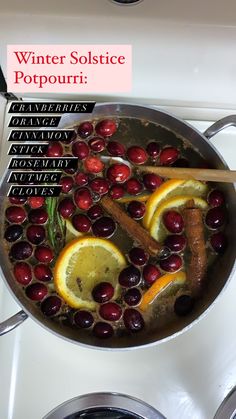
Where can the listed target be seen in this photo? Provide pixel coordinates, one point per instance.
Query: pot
(170, 131)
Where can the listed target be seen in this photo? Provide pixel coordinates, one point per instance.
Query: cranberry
(116, 149)
(35, 234)
(182, 162)
(133, 186)
(103, 292)
(106, 127)
(81, 179)
(183, 305)
(136, 209)
(110, 311)
(168, 155)
(138, 256)
(55, 149)
(17, 200)
(22, 273)
(80, 149)
(70, 170)
(66, 183)
(51, 305)
(137, 155)
(36, 291)
(132, 297)
(99, 185)
(215, 198)
(104, 227)
(171, 264)
(152, 181)
(97, 144)
(15, 214)
(218, 242)
(81, 223)
(176, 242)
(83, 198)
(21, 250)
(116, 191)
(42, 272)
(129, 277)
(66, 208)
(118, 172)
(43, 254)
(13, 232)
(173, 221)
(38, 216)
(215, 217)
(133, 320)
(150, 274)
(95, 212)
(83, 319)
(85, 129)
(103, 330)
(36, 201)
(94, 165)
(153, 149)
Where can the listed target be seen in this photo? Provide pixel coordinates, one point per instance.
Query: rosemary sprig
(56, 227)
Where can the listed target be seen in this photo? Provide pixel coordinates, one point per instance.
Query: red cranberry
(133, 320)
(51, 305)
(81, 223)
(138, 256)
(103, 330)
(173, 221)
(215, 218)
(183, 305)
(153, 149)
(218, 242)
(137, 155)
(168, 155)
(175, 242)
(83, 319)
(182, 162)
(106, 127)
(152, 181)
(171, 264)
(35, 234)
(129, 277)
(132, 297)
(15, 214)
(13, 232)
(42, 272)
(38, 216)
(103, 292)
(67, 184)
(80, 149)
(36, 201)
(94, 165)
(116, 149)
(55, 149)
(150, 274)
(85, 129)
(118, 173)
(81, 179)
(21, 250)
(116, 191)
(17, 200)
(133, 186)
(95, 212)
(97, 144)
(22, 273)
(99, 185)
(66, 208)
(104, 227)
(36, 291)
(216, 198)
(110, 311)
(83, 198)
(43, 254)
(136, 209)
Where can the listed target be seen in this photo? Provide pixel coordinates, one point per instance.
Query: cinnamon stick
(134, 229)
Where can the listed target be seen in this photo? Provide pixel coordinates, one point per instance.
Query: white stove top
(186, 378)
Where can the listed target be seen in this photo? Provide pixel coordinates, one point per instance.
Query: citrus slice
(81, 265)
(157, 228)
(71, 232)
(160, 285)
(171, 188)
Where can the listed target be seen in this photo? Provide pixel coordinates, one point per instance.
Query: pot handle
(12, 322)
(223, 123)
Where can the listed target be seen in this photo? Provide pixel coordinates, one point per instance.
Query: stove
(185, 378)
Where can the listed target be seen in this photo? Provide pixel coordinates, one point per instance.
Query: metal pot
(171, 131)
